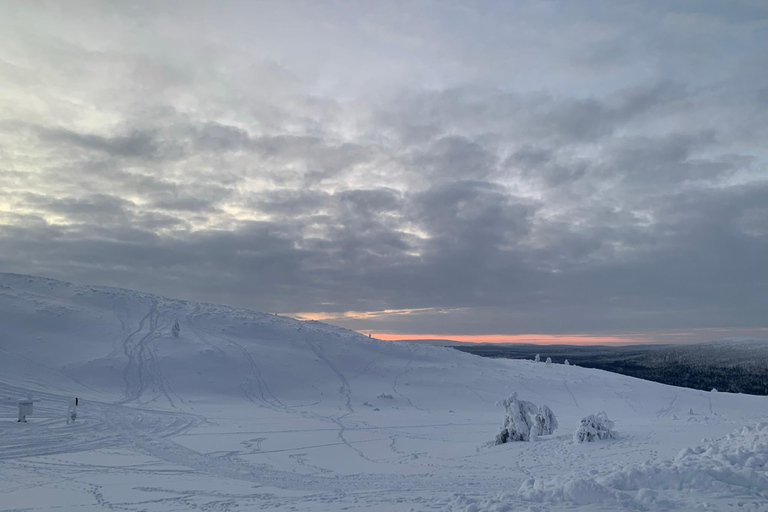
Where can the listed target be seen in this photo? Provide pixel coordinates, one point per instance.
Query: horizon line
(540, 339)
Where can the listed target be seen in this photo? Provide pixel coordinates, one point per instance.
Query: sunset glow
(544, 339)
(323, 316)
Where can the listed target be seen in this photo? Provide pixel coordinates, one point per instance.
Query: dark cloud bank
(174, 151)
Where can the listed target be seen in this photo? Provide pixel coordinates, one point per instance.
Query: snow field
(249, 411)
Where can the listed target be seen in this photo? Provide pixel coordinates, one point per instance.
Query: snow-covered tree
(593, 428)
(544, 422)
(176, 329)
(524, 421)
(517, 420)
(549, 360)
(567, 363)
(537, 358)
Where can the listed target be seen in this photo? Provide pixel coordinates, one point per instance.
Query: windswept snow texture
(250, 411)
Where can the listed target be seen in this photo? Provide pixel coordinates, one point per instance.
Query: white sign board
(25, 409)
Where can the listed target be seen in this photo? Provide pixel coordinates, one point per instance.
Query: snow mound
(733, 465)
(594, 427)
(502, 502)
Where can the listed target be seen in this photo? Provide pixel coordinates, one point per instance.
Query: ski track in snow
(346, 392)
(263, 395)
(142, 370)
(669, 408)
(565, 384)
(394, 385)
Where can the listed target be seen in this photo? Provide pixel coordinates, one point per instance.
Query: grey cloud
(542, 163)
(134, 145)
(530, 117)
(290, 203)
(259, 265)
(455, 157)
(187, 203)
(219, 137)
(474, 215)
(363, 206)
(670, 159)
(95, 207)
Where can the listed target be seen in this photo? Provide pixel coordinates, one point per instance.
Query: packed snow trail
(246, 410)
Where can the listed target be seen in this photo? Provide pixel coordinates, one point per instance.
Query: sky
(485, 170)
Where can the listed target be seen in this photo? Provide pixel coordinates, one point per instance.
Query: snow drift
(736, 464)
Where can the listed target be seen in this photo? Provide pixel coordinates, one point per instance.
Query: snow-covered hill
(248, 410)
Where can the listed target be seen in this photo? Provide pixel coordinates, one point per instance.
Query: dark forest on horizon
(696, 366)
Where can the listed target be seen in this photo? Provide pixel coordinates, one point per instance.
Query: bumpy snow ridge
(735, 464)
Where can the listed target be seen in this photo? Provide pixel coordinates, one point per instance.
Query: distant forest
(703, 366)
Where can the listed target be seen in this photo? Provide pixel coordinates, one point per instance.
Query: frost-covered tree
(524, 421)
(567, 363)
(517, 420)
(176, 329)
(544, 422)
(593, 428)
(549, 360)
(537, 358)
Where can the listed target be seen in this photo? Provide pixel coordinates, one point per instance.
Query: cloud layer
(499, 167)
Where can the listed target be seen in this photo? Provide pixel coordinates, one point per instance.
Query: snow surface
(251, 411)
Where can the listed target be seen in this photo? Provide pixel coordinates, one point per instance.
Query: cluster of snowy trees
(537, 359)
(525, 421)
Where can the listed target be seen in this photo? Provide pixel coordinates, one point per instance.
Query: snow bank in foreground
(734, 467)
(735, 464)
(503, 502)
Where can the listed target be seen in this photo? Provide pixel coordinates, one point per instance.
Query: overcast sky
(415, 167)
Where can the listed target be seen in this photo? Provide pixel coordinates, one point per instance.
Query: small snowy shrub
(549, 360)
(594, 427)
(567, 363)
(537, 358)
(524, 421)
(176, 329)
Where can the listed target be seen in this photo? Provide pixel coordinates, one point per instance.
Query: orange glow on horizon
(545, 339)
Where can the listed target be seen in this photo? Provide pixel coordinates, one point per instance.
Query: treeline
(654, 363)
(732, 379)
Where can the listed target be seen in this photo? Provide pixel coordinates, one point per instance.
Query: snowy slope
(247, 410)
